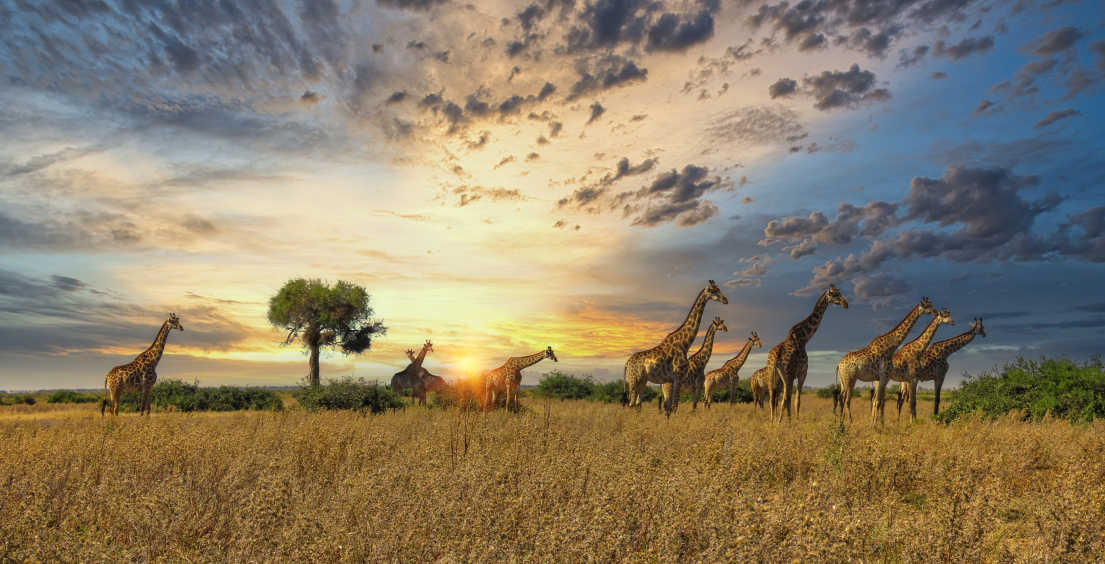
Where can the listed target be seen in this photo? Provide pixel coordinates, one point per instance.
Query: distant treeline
(1054, 387)
(558, 385)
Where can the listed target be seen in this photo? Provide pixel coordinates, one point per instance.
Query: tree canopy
(321, 315)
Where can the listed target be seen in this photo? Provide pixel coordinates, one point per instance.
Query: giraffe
(788, 360)
(411, 378)
(725, 378)
(871, 362)
(506, 378)
(904, 365)
(139, 374)
(933, 365)
(758, 383)
(666, 363)
(696, 363)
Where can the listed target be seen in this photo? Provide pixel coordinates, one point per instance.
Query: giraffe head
(714, 293)
(411, 355)
(835, 297)
(977, 327)
(755, 340)
(428, 347)
(550, 354)
(719, 325)
(174, 322)
(945, 316)
(927, 307)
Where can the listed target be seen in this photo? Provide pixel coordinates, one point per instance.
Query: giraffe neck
(804, 330)
(741, 356)
(944, 349)
(685, 334)
(704, 352)
(892, 339)
(417, 363)
(916, 346)
(153, 354)
(520, 362)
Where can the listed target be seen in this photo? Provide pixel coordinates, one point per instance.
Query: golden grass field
(565, 481)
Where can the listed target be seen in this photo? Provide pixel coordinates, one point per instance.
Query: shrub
(348, 393)
(611, 392)
(1058, 387)
(69, 396)
(190, 397)
(559, 385)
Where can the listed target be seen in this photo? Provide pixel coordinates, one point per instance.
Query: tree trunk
(314, 379)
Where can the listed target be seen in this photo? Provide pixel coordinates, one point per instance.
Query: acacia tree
(320, 315)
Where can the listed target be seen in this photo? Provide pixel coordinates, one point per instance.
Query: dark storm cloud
(782, 87)
(843, 89)
(677, 32)
(982, 215)
(1056, 116)
(596, 111)
(603, 73)
(396, 97)
(1056, 41)
(64, 314)
(868, 27)
(546, 91)
(963, 49)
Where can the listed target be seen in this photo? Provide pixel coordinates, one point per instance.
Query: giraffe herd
(778, 383)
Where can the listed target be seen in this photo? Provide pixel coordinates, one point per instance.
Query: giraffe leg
(912, 400)
(665, 395)
(936, 404)
(115, 393)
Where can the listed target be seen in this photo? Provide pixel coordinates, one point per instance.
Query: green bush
(348, 393)
(69, 396)
(558, 385)
(1058, 387)
(174, 394)
(16, 399)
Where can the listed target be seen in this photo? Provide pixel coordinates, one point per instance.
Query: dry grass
(570, 481)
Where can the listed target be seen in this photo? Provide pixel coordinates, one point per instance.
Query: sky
(506, 176)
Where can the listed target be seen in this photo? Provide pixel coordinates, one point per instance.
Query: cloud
(843, 89)
(1056, 116)
(1024, 82)
(983, 106)
(466, 195)
(782, 87)
(607, 72)
(963, 49)
(411, 4)
(982, 216)
(755, 125)
(908, 58)
(310, 98)
(583, 197)
(1056, 41)
(596, 111)
(677, 32)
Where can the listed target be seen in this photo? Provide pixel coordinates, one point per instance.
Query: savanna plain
(568, 481)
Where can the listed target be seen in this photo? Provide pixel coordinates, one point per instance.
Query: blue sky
(465, 164)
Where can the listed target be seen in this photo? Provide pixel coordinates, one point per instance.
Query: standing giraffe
(933, 365)
(905, 364)
(696, 363)
(871, 362)
(759, 383)
(139, 374)
(506, 378)
(411, 377)
(725, 378)
(788, 360)
(666, 363)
